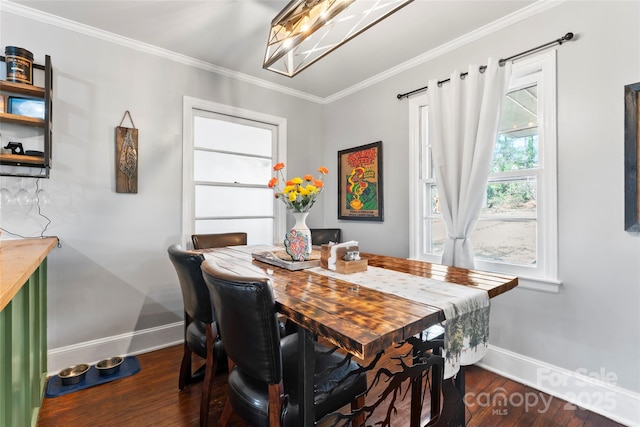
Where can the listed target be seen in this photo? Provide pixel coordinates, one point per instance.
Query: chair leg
(356, 405)
(276, 397)
(226, 413)
(185, 368)
(209, 372)
(185, 365)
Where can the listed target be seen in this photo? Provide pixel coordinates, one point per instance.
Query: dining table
(367, 313)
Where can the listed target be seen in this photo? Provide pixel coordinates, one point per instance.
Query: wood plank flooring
(151, 398)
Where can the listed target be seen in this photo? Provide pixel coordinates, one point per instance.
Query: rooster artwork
(360, 186)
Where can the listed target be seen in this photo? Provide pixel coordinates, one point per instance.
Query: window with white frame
(517, 229)
(228, 156)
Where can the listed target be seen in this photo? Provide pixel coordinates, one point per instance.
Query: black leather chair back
(320, 236)
(195, 294)
(246, 317)
(220, 240)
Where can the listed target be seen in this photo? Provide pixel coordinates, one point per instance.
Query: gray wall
(594, 321)
(112, 274)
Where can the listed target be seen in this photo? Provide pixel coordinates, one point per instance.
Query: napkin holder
(342, 266)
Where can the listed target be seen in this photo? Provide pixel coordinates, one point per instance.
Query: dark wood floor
(151, 398)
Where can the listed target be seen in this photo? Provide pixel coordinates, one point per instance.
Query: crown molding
(47, 18)
(499, 24)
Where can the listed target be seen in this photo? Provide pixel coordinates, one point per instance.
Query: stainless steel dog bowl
(73, 374)
(109, 366)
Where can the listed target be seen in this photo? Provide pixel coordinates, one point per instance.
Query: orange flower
(298, 194)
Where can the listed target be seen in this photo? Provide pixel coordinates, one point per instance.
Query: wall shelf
(21, 120)
(20, 160)
(22, 89)
(22, 165)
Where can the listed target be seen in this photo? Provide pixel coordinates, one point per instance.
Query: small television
(26, 107)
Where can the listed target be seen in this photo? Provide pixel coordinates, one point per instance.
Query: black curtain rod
(501, 62)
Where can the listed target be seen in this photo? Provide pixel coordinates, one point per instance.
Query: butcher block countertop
(18, 260)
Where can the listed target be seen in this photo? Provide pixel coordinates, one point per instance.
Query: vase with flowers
(298, 196)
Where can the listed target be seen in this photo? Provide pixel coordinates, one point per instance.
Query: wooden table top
(18, 260)
(362, 321)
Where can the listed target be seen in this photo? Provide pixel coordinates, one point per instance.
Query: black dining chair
(320, 236)
(263, 368)
(200, 330)
(218, 240)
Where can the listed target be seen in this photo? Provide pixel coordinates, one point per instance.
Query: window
(228, 155)
(517, 229)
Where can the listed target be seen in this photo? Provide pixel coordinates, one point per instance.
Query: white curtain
(463, 123)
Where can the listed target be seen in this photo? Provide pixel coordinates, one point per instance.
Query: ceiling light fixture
(306, 30)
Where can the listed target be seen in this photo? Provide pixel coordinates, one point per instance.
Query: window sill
(541, 285)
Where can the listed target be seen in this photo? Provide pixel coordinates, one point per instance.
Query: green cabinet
(23, 352)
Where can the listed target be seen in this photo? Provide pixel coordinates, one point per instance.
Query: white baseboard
(127, 344)
(594, 391)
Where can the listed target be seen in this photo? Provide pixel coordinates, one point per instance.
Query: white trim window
(516, 232)
(228, 158)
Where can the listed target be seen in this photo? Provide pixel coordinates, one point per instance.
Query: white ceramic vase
(298, 239)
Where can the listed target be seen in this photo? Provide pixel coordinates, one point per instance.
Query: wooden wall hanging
(126, 157)
(632, 157)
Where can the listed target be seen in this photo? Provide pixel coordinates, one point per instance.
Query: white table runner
(466, 309)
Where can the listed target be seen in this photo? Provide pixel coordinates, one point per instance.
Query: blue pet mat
(55, 387)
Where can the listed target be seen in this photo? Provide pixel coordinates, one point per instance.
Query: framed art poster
(360, 183)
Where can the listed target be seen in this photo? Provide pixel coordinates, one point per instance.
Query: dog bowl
(73, 374)
(109, 366)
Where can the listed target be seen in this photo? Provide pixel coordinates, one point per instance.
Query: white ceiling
(232, 34)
